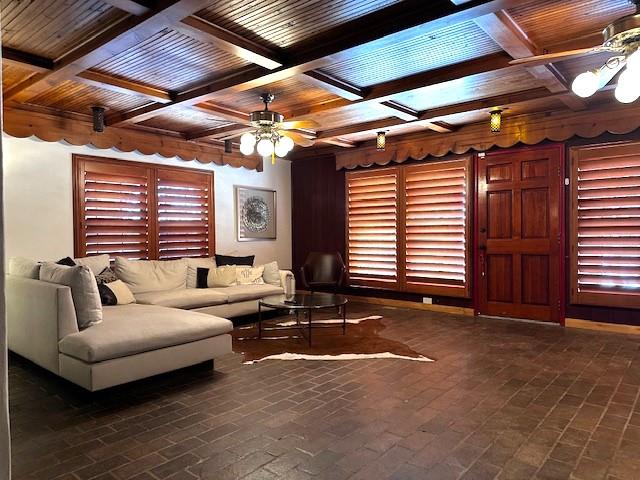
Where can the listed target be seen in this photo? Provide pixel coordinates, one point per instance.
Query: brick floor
(503, 400)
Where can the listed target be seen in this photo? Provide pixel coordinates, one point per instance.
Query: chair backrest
(322, 267)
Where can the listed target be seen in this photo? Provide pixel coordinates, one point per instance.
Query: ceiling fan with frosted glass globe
(271, 136)
(622, 40)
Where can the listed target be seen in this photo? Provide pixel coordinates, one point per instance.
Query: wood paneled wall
(319, 224)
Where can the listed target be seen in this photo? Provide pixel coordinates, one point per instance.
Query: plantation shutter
(372, 227)
(606, 225)
(113, 205)
(436, 234)
(185, 214)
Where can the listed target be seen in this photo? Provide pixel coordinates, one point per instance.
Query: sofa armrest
(39, 315)
(284, 274)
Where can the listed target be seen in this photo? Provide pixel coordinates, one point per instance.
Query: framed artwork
(255, 213)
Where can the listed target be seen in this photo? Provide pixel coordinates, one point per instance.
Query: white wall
(38, 205)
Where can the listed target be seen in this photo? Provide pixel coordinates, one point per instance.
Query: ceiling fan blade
(299, 139)
(555, 57)
(312, 124)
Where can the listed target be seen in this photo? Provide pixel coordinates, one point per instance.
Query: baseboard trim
(602, 326)
(389, 302)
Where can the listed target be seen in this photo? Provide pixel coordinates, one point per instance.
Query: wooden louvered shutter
(112, 209)
(185, 214)
(605, 224)
(372, 206)
(437, 225)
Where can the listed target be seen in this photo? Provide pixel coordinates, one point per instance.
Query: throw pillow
(115, 293)
(84, 290)
(271, 274)
(249, 275)
(68, 261)
(106, 276)
(143, 276)
(193, 264)
(230, 260)
(24, 267)
(224, 276)
(97, 263)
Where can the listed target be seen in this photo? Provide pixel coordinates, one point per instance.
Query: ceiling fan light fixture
(287, 142)
(265, 147)
(248, 138)
(628, 89)
(280, 149)
(586, 84)
(633, 61)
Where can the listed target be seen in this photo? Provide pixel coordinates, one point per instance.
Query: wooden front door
(519, 233)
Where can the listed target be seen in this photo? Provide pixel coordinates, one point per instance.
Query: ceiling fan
(272, 135)
(622, 40)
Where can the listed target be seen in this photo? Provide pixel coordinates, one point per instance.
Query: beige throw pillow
(97, 263)
(271, 274)
(224, 276)
(152, 275)
(249, 275)
(84, 290)
(121, 292)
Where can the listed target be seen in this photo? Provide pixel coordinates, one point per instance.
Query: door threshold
(523, 320)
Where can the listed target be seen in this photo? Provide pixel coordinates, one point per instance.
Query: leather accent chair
(322, 271)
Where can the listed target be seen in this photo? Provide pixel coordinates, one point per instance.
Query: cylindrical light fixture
(98, 119)
(495, 122)
(381, 141)
(228, 148)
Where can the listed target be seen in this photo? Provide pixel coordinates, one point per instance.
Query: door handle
(483, 251)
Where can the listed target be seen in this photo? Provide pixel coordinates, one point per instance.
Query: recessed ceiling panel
(184, 120)
(52, 28)
(469, 88)
(548, 22)
(172, 61)
(79, 98)
(447, 46)
(13, 74)
(283, 23)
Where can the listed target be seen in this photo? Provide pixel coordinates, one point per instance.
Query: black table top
(304, 300)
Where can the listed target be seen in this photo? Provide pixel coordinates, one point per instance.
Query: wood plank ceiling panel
(79, 98)
(170, 60)
(462, 119)
(549, 22)
(469, 88)
(53, 27)
(349, 115)
(448, 46)
(13, 74)
(570, 69)
(184, 120)
(290, 93)
(283, 23)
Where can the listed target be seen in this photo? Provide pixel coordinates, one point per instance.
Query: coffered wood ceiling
(193, 69)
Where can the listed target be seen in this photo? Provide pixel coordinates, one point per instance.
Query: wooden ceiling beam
(130, 6)
(334, 85)
(504, 30)
(401, 111)
(26, 60)
(340, 142)
(112, 41)
(362, 35)
(222, 113)
(120, 85)
(216, 132)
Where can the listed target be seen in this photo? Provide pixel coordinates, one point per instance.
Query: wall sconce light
(98, 119)
(496, 120)
(228, 148)
(381, 141)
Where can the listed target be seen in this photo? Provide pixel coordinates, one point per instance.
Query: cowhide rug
(362, 341)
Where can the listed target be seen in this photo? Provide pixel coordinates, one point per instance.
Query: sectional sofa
(171, 325)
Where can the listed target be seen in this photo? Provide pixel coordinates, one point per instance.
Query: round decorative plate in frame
(255, 214)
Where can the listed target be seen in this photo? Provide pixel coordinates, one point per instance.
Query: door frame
(562, 189)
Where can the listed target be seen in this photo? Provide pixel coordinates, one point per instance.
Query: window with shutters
(372, 219)
(185, 216)
(141, 211)
(605, 225)
(436, 228)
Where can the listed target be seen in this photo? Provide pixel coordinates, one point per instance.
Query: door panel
(519, 233)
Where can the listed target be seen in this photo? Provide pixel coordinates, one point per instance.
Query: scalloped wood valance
(528, 129)
(51, 128)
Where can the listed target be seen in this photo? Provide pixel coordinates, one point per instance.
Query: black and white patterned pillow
(106, 276)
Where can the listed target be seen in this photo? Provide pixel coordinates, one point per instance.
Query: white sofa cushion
(152, 275)
(240, 293)
(192, 269)
(271, 274)
(249, 275)
(84, 290)
(24, 267)
(96, 263)
(132, 329)
(184, 298)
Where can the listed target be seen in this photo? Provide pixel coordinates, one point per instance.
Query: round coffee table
(307, 303)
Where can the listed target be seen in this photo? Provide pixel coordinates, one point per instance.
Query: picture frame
(255, 213)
